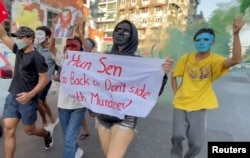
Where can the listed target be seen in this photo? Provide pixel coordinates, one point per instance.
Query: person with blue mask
(195, 94)
(30, 77)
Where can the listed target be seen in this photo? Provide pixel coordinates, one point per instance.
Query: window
(133, 1)
(144, 21)
(121, 12)
(111, 15)
(144, 10)
(158, 9)
(50, 17)
(158, 20)
(132, 11)
(110, 25)
(122, 2)
(111, 6)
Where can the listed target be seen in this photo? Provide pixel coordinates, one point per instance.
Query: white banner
(113, 84)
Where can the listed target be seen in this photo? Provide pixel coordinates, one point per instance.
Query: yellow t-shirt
(195, 92)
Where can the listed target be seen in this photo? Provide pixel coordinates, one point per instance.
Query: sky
(207, 7)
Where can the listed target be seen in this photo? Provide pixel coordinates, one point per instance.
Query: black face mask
(122, 34)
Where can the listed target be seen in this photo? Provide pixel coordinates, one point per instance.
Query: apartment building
(151, 17)
(106, 20)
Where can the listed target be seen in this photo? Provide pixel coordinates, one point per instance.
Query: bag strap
(184, 69)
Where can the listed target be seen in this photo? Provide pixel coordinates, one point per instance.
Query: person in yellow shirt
(195, 94)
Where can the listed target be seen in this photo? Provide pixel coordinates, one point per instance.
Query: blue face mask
(20, 44)
(204, 42)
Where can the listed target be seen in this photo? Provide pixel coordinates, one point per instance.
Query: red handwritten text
(78, 81)
(80, 97)
(109, 103)
(63, 79)
(114, 87)
(140, 91)
(113, 70)
(76, 61)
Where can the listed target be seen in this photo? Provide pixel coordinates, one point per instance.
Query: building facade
(151, 17)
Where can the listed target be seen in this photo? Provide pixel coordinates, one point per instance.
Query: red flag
(3, 12)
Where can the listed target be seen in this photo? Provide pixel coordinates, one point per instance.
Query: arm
(5, 38)
(167, 66)
(43, 81)
(174, 83)
(78, 31)
(236, 52)
(52, 40)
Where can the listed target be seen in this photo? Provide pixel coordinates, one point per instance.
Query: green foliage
(244, 5)
(221, 21)
(173, 46)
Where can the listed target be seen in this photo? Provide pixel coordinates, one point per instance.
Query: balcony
(101, 19)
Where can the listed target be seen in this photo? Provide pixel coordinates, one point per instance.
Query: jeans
(71, 122)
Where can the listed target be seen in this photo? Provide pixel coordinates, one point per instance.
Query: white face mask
(40, 36)
(20, 44)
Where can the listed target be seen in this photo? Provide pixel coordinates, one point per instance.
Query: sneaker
(48, 140)
(79, 153)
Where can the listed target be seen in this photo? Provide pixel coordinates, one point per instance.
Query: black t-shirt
(27, 67)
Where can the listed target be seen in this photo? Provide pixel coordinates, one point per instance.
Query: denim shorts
(26, 112)
(109, 121)
(43, 94)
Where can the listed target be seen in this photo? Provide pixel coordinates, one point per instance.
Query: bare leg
(34, 130)
(10, 125)
(120, 139)
(42, 113)
(85, 129)
(85, 126)
(104, 136)
(48, 111)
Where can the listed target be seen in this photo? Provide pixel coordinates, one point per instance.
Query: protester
(71, 112)
(91, 48)
(195, 94)
(116, 134)
(30, 77)
(43, 34)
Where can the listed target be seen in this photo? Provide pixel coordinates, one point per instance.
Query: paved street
(228, 123)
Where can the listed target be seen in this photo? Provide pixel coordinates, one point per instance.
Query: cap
(24, 31)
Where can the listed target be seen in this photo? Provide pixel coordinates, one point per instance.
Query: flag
(3, 12)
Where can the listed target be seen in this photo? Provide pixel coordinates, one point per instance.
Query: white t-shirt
(64, 100)
(67, 102)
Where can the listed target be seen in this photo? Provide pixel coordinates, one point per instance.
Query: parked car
(6, 69)
(6, 74)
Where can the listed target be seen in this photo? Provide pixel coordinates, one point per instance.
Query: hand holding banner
(113, 85)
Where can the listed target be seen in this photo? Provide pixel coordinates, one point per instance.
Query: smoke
(221, 21)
